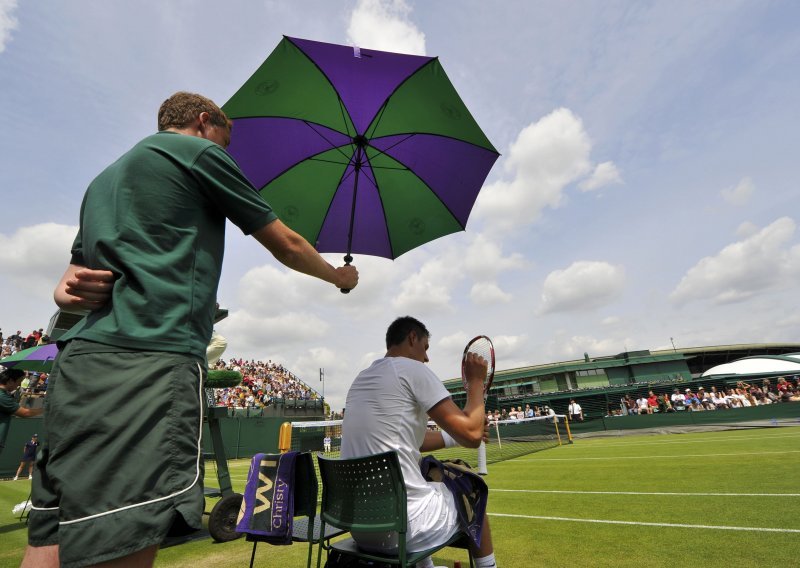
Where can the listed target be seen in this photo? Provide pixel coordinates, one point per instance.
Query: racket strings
(483, 347)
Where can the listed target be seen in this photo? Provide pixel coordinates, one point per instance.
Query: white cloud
(251, 332)
(485, 293)
(740, 193)
(746, 229)
(36, 256)
(454, 342)
(507, 347)
(611, 320)
(742, 269)
(545, 158)
(484, 260)
(261, 288)
(604, 174)
(584, 285)
(428, 290)
(385, 25)
(509, 350)
(8, 22)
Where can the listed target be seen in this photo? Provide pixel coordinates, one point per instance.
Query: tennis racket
(480, 345)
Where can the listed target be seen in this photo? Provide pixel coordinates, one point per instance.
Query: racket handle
(347, 260)
(482, 459)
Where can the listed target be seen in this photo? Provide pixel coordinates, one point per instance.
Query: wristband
(449, 441)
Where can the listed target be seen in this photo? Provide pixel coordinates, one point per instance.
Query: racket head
(481, 345)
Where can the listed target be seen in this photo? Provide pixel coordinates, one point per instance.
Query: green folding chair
(306, 525)
(368, 494)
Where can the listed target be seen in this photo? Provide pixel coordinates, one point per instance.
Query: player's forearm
(475, 413)
(433, 441)
(464, 426)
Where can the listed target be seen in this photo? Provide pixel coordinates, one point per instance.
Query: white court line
(681, 494)
(673, 456)
(694, 440)
(644, 524)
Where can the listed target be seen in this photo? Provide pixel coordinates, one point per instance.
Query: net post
(497, 430)
(285, 437)
(569, 433)
(558, 434)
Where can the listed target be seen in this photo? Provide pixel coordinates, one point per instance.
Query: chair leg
(321, 540)
(253, 555)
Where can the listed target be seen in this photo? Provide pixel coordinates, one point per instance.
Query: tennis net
(508, 439)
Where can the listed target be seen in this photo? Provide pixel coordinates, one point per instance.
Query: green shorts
(120, 466)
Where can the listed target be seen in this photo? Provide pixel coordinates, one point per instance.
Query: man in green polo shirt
(121, 466)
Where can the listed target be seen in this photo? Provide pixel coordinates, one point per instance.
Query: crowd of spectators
(262, 384)
(517, 413)
(17, 342)
(742, 395)
(34, 384)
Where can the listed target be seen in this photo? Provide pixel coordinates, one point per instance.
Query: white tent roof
(789, 364)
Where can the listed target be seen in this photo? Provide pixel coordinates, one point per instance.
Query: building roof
(698, 358)
(758, 365)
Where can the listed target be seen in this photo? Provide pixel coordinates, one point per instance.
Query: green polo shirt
(156, 219)
(8, 406)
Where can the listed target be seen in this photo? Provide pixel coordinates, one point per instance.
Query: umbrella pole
(360, 141)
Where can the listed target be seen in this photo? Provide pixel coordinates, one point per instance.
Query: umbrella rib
(454, 138)
(342, 108)
(380, 152)
(374, 183)
(403, 82)
(313, 159)
(345, 175)
(425, 183)
(336, 147)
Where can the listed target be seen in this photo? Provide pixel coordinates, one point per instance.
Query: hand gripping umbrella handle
(347, 260)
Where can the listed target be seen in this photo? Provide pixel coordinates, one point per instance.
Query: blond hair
(182, 108)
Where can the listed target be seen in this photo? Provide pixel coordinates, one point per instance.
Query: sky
(645, 195)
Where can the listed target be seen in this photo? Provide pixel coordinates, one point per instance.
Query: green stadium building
(598, 383)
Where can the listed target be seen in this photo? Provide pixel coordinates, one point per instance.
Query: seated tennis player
(387, 408)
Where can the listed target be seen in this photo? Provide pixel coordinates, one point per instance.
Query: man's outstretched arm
(293, 251)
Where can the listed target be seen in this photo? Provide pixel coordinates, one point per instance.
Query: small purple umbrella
(360, 151)
(39, 358)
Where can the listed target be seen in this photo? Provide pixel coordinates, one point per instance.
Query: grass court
(715, 499)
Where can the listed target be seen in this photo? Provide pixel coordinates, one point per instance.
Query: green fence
(771, 412)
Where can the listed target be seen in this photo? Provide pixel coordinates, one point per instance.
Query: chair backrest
(364, 494)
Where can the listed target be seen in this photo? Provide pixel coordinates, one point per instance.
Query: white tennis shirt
(387, 409)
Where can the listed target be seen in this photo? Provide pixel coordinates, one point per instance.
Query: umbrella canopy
(39, 358)
(359, 150)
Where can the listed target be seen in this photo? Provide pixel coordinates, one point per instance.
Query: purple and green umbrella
(359, 151)
(39, 358)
